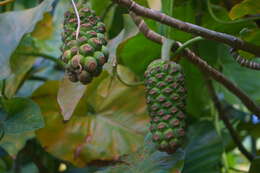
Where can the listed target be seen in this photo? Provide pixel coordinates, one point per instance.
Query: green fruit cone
(165, 97)
(87, 55)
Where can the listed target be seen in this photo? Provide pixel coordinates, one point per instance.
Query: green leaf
(255, 165)
(251, 128)
(105, 125)
(13, 143)
(204, 149)
(185, 12)
(19, 120)
(22, 115)
(252, 36)
(130, 30)
(243, 77)
(69, 95)
(129, 54)
(52, 44)
(20, 65)
(99, 5)
(245, 8)
(13, 27)
(149, 160)
(198, 99)
(234, 29)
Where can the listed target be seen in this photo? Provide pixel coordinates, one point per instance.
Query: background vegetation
(107, 127)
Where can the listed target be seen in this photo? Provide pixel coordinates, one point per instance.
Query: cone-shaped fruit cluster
(86, 55)
(165, 96)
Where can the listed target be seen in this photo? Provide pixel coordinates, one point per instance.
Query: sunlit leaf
(43, 29)
(245, 8)
(101, 128)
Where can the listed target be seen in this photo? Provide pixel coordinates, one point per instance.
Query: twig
(78, 18)
(192, 57)
(226, 121)
(190, 28)
(5, 2)
(244, 62)
(187, 44)
(228, 22)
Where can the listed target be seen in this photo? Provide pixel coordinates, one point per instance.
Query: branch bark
(196, 60)
(234, 42)
(244, 62)
(224, 117)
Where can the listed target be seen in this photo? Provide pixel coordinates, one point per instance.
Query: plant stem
(187, 44)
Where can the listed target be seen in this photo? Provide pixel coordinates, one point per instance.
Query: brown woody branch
(192, 57)
(234, 42)
(224, 117)
(244, 62)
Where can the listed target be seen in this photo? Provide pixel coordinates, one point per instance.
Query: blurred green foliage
(108, 131)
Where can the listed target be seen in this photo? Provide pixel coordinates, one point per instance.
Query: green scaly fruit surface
(165, 96)
(86, 55)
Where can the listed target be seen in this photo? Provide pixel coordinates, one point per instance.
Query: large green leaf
(19, 118)
(100, 5)
(129, 31)
(204, 149)
(202, 154)
(21, 115)
(109, 121)
(129, 53)
(13, 27)
(148, 160)
(198, 98)
(245, 8)
(13, 143)
(185, 12)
